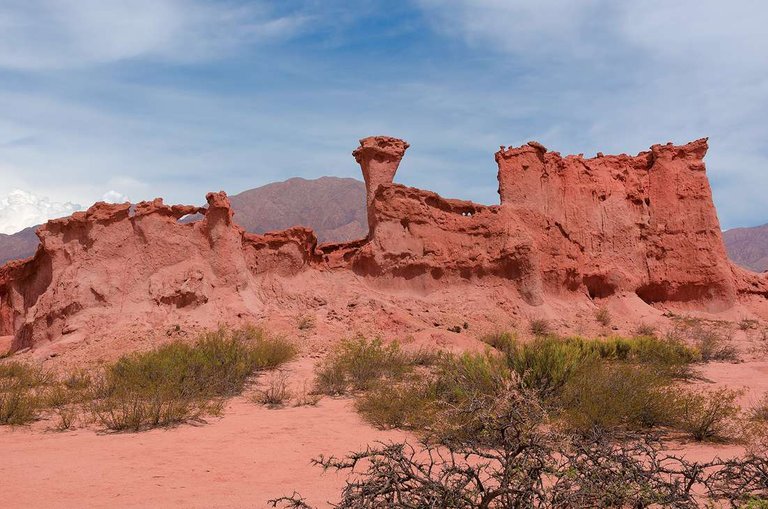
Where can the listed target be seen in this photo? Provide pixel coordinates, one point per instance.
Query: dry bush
(540, 327)
(746, 324)
(305, 322)
(707, 415)
(645, 330)
(277, 393)
(713, 340)
(306, 397)
(759, 411)
(603, 316)
(513, 460)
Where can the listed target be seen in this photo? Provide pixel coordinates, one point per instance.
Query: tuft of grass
(603, 316)
(181, 382)
(358, 364)
(503, 341)
(305, 322)
(540, 327)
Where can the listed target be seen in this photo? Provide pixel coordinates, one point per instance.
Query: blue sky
(174, 98)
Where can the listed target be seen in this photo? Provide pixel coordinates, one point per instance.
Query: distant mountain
(18, 245)
(748, 247)
(333, 207)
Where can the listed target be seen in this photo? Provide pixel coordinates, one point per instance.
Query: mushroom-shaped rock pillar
(378, 157)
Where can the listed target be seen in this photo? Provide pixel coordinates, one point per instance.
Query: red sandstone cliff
(567, 228)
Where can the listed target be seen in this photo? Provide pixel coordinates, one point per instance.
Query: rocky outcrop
(567, 228)
(378, 157)
(643, 224)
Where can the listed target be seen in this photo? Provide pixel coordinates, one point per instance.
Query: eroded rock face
(644, 224)
(567, 228)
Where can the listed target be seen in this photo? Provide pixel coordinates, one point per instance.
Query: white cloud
(53, 34)
(113, 196)
(21, 209)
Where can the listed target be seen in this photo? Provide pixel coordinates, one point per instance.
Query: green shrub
(546, 363)
(502, 341)
(606, 395)
(21, 392)
(358, 364)
(705, 415)
(425, 402)
(179, 382)
(404, 405)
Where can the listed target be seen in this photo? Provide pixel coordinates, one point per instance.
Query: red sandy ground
(241, 459)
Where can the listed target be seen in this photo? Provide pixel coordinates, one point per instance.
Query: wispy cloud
(55, 34)
(175, 98)
(619, 76)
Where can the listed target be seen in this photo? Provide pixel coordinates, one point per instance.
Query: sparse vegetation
(307, 397)
(358, 364)
(305, 322)
(706, 415)
(276, 393)
(540, 327)
(646, 330)
(603, 317)
(22, 389)
(181, 382)
(712, 339)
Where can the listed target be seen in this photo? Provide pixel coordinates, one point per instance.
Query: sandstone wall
(567, 228)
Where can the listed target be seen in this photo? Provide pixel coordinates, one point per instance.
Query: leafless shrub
(306, 397)
(512, 461)
(277, 392)
(645, 330)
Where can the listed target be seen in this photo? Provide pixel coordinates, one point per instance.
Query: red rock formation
(643, 224)
(379, 158)
(568, 229)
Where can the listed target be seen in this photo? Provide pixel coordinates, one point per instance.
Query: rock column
(378, 157)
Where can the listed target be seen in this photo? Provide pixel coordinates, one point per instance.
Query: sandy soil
(241, 459)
